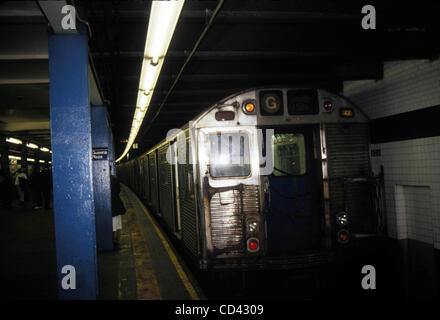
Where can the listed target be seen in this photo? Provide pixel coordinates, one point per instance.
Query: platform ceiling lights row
(28, 159)
(162, 23)
(29, 145)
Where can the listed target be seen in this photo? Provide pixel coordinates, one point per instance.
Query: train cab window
(302, 102)
(229, 155)
(289, 154)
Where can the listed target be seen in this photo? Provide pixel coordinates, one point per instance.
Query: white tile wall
(412, 167)
(413, 213)
(407, 86)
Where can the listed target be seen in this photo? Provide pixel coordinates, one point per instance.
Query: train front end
(284, 178)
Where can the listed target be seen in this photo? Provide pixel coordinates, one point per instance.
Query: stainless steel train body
(229, 209)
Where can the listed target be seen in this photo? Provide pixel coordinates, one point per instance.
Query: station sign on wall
(99, 153)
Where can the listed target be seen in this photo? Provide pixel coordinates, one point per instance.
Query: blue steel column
(70, 121)
(101, 180)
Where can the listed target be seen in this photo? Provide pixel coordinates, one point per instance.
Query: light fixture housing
(162, 23)
(31, 145)
(13, 140)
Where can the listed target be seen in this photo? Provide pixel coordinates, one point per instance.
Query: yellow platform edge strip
(188, 286)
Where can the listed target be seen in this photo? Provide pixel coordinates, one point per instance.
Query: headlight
(252, 226)
(342, 219)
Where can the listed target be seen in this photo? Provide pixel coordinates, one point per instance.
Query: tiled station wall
(411, 166)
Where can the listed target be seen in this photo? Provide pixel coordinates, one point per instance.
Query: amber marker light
(249, 107)
(346, 112)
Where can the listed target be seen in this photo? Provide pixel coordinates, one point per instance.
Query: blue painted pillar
(71, 135)
(101, 178)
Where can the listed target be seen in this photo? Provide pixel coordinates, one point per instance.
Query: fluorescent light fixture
(163, 20)
(14, 157)
(49, 162)
(30, 160)
(44, 149)
(41, 161)
(13, 140)
(31, 145)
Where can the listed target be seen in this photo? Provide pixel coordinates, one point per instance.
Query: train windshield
(229, 155)
(289, 153)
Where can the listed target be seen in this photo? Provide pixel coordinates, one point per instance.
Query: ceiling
(250, 43)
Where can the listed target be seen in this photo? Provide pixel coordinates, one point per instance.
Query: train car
(265, 178)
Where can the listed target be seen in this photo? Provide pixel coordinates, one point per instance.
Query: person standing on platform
(46, 186)
(21, 184)
(35, 186)
(118, 208)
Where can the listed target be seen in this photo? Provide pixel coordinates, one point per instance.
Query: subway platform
(145, 266)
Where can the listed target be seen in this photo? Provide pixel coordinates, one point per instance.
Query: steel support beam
(111, 152)
(71, 132)
(101, 178)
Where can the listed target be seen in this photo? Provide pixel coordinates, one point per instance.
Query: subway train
(266, 178)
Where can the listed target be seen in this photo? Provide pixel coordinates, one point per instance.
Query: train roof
(235, 101)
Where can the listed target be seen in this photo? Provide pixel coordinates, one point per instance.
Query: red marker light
(328, 106)
(343, 236)
(253, 245)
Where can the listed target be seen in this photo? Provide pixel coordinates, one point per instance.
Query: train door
(175, 175)
(292, 192)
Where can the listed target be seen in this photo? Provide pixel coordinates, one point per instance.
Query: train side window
(229, 155)
(289, 152)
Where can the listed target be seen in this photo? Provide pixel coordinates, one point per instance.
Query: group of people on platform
(37, 187)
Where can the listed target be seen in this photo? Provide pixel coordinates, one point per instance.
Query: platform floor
(27, 255)
(145, 266)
